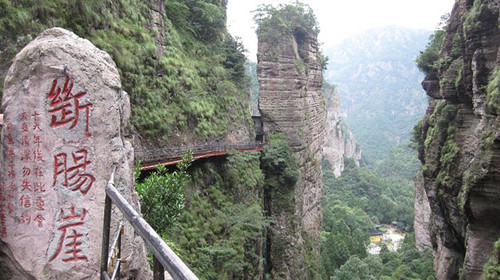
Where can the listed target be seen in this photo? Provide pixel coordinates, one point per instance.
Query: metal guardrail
(114, 260)
(162, 154)
(163, 256)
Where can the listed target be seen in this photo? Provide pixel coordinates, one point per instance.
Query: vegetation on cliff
(491, 270)
(182, 69)
(458, 141)
(284, 20)
(220, 233)
(281, 173)
(428, 59)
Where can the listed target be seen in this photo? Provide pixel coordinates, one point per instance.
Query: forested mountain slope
(381, 97)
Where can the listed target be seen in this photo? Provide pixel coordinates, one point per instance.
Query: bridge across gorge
(150, 159)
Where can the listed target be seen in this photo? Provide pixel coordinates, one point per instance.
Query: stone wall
(291, 102)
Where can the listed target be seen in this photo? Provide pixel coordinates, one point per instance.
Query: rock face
(461, 142)
(422, 216)
(290, 101)
(339, 141)
(64, 114)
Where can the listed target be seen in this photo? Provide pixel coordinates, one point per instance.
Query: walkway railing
(163, 256)
(169, 153)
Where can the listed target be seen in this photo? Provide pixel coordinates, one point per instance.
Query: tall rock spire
(291, 102)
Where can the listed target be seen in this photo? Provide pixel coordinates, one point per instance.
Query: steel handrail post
(158, 269)
(106, 229)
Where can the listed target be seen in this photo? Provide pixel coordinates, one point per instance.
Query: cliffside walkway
(150, 159)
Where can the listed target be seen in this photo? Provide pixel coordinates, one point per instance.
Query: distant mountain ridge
(381, 97)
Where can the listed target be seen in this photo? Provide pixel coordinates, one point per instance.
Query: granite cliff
(291, 102)
(339, 140)
(460, 144)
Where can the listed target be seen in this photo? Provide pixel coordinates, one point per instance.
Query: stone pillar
(291, 102)
(64, 113)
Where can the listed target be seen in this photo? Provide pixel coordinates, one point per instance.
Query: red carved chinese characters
(70, 238)
(22, 195)
(72, 171)
(3, 209)
(71, 177)
(47, 170)
(7, 187)
(65, 106)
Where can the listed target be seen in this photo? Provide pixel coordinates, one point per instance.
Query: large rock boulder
(64, 115)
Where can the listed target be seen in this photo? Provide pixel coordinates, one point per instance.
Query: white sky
(340, 19)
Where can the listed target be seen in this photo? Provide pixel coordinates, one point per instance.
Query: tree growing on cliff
(280, 169)
(428, 59)
(285, 18)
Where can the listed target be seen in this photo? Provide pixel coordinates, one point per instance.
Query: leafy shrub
(491, 269)
(279, 163)
(220, 233)
(428, 59)
(162, 195)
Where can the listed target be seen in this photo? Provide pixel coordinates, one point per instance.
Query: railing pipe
(116, 271)
(115, 252)
(119, 255)
(106, 229)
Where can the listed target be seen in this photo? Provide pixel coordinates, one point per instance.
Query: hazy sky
(339, 19)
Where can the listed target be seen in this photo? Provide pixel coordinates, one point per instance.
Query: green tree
(353, 269)
(162, 194)
(220, 232)
(427, 60)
